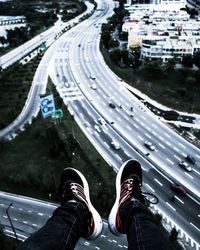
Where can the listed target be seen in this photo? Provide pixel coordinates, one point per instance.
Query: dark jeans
(65, 227)
(142, 233)
(61, 231)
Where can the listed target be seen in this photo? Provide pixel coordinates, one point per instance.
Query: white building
(162, 33)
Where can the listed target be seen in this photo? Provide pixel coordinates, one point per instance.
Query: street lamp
(11, 221)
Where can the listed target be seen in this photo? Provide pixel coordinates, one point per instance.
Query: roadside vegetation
(40, 15)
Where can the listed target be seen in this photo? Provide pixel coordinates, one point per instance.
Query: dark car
(178, 188)
(190, 159)
(112, 105)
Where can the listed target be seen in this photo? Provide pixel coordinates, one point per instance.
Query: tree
(173, 235)
(196, 59)
(187, 61)
(115, 55)
(113, 43)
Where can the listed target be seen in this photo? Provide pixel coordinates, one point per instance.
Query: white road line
(148, 135)
(5, 216)
(191, 177)
(170, 161)
(41, 214)
(154, 125)
(102, 235)
(196, 171)
(158, 182)
(184, 154)
(140, 137)
(114, 241)
(176, 149)
(135, 125)
(194, 226)
(181, 145)
(179, 199)
(161, 138)
(153, 132)
(119, 119)
(25, 222)
(161, 145)
(15, 219)
(106, 144)
(177, 157)
(168, 143)
(142, 124)
(34, 225)
(150, 188)
(167, 135)
(197, 156)
(170, 206)
(198, 215)
(118, 157)
(129, 127)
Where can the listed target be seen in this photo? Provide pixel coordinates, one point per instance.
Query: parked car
(115, 145)
(191, 159)
(185, 166)
(178, 188)
(149, 145)
(92, 77)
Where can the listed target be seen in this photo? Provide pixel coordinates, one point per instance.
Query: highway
(76, 66)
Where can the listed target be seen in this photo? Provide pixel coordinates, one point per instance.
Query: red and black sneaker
(74, 187)
(128, 187)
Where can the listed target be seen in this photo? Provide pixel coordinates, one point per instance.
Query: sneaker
(128, 187)
(74, 187)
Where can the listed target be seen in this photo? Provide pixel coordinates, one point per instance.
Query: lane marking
(150, 188)
(148, 135)
(161, 145)
(196, 171)
(140, 137)
(177, 157)
(181, 145)
(194, 226)
(129, 127)
(191, 177)
(167, 135)
(168, 143)
(41, 214)
(176, 149)
(170, 161)
(179, 199)
(184, 154)
(158, 182)
(170, 206)
(118, 157)
(135, 125)
(197, 156)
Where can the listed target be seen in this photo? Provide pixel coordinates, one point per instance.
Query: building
(162, 33)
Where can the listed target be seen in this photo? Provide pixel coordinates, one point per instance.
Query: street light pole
(11, 221)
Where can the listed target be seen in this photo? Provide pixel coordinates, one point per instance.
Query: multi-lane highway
(87, 86)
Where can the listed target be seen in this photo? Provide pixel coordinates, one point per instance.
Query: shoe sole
(98, 224)
(113, 213)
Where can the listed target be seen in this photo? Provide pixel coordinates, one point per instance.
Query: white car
(101, 121)
(149, 145)
(94, 86)
(185, 166)
(115, 145)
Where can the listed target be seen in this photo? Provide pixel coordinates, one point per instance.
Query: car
(92, 77)
(131, 115)
(178, 188)
(115, 145)
(191, 159)
(112, 105)
(93, 86)
(101, 121)
(121, 106)
(185, 166)
(149, 145)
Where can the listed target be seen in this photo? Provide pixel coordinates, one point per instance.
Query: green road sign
(58, 114)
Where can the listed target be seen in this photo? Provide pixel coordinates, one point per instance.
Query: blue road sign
(47, 105)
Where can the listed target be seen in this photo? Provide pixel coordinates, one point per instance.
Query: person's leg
(75, 218)
(130, 215)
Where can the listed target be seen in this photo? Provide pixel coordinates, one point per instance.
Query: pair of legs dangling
(76, 217)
